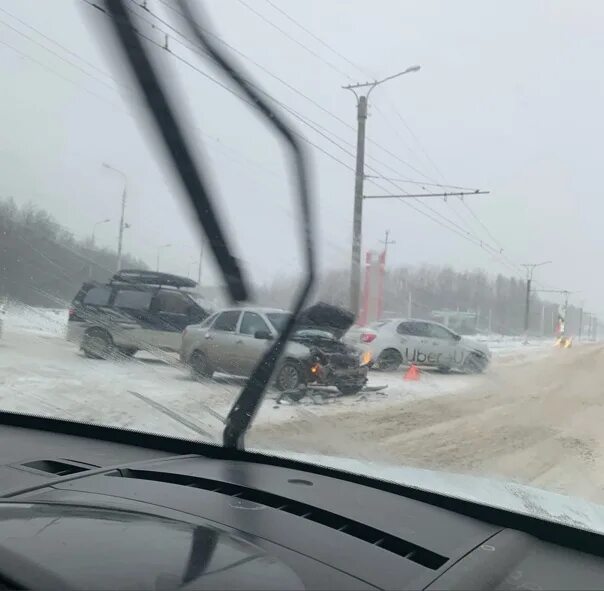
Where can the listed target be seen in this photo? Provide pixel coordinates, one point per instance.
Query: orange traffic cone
(412, 374)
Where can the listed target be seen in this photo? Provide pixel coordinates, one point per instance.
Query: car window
(409, 328)
(172, 302)
(208, 321)
(251, 323)
(133, 299)
(278, 319)
(438, 332)
(97, 296)
(227, 321)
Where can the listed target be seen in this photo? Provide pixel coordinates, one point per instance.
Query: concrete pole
(357, 222)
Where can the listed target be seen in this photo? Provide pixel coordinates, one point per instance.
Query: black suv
(135, 310)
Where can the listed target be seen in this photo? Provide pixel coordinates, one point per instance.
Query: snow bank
(40, 321)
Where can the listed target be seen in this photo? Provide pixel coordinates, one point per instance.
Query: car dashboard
(85, 507)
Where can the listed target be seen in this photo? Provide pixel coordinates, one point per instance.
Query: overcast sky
(509, 99)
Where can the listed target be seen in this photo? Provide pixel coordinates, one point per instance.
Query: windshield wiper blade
(248, 402)
(177, 146)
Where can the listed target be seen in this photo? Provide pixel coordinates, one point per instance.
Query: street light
(357, 224)
(94, 228)
(120, 238)
(158, 251)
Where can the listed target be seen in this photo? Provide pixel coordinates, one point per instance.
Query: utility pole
(120, 238)
(530, 268)
(357, 223)
(581, 321)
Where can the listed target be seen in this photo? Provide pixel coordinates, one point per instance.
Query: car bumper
(328, 376)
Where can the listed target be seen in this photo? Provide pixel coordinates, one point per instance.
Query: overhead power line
(55, 42)
(293, 40)
(317, 38)
(58, 55)
(435, 215)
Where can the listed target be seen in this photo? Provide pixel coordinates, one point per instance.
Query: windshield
(455, 190)
(278, 319)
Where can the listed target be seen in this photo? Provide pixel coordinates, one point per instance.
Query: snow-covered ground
(40, 372)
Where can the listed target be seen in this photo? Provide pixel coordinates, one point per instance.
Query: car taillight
(367, 337)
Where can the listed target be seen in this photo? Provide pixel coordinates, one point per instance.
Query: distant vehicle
(233, 341)
(420, 342)
(136, 310)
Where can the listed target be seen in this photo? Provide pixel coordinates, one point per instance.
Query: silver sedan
(234, 341)
(419, 342)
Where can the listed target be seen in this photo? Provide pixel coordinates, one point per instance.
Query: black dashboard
(87, 509)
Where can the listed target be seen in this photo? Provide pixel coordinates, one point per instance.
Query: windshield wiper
(247, 403)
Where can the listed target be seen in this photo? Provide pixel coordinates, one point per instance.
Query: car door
(249, 349)
(409, 341)
(219, 342)
(443, 344)
(133, 324)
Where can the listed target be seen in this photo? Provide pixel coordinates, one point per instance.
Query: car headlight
(366, 358)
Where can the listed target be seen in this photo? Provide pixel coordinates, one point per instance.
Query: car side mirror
(456, 337)
(263, 334)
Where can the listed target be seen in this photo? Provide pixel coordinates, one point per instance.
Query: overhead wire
(317, 38)
(326, 134)
(272, 75)
(415, 169)
(447, 223)
(300, 44)
(60, 45)
(56, 54)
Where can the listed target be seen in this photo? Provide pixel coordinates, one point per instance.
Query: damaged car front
(326, 359)
(233, 341)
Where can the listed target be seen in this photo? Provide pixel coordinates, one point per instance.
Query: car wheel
(289, 376)
(348, 390)
(444, 369)
(388, 360)
(200, 368)
(97, 344)
(474, 364)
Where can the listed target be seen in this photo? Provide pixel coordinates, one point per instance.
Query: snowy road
(535, 415)
(42, 373)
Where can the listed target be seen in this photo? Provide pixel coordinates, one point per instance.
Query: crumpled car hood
(322, 316)
(491, 492)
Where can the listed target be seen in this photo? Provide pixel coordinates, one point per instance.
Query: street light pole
(120, 238)
(158, 251)
(357, 223)
(530, 268)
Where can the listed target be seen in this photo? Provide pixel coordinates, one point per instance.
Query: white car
(420, 342)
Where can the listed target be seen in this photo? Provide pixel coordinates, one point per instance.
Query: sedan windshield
(278, 319)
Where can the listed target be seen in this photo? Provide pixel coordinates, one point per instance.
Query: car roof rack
(151, 278)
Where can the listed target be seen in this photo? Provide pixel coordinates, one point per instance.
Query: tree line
(497, 302)
(42, 263)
